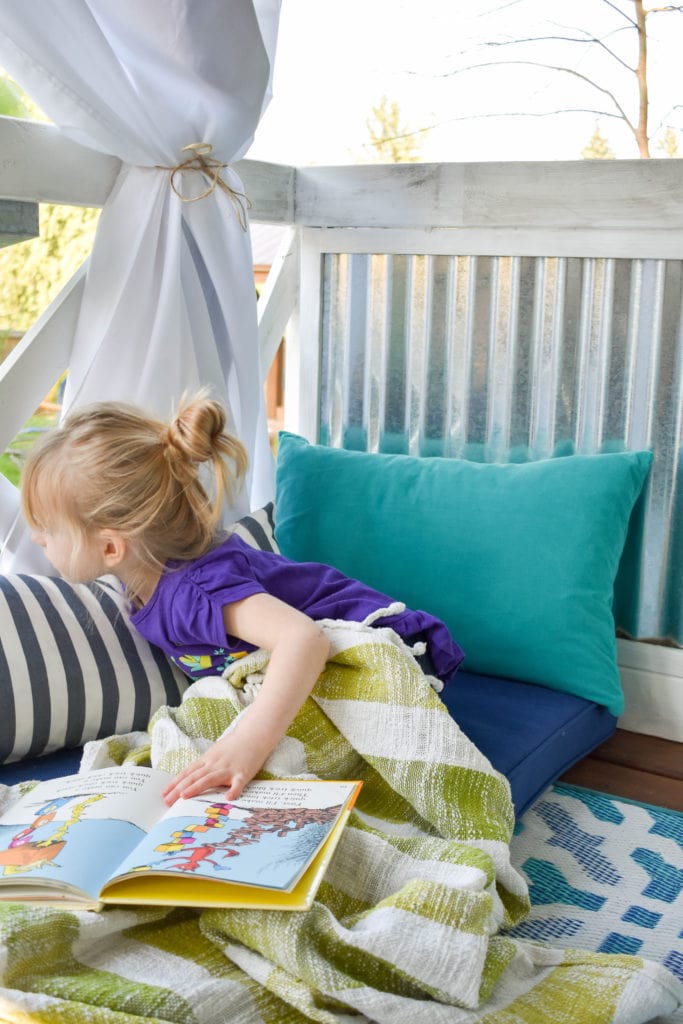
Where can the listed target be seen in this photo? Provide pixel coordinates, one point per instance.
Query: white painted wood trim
(39, 162)
(278, 298)
(269, 189)
(581, 194)
(494, 241)
(652, 679)
(40, 358)
(636, 199)
(302, 365)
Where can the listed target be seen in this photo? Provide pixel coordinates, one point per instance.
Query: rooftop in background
(265, 242)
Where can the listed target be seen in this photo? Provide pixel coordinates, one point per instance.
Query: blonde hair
(111, 466)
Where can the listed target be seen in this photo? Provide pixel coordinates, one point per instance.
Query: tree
(668, 143)
(11, 100)
(33, 272)
(622, 78)
(391, 142)
(597, 148)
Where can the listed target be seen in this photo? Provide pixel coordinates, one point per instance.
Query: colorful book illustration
(107, 836)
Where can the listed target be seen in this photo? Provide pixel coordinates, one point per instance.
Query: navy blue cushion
(51, 766)
(529, 733)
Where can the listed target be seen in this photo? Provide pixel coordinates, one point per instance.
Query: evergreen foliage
(598, 147)
(392, 142)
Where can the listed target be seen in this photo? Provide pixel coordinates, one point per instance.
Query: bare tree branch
(607, 35)
(548, 67)
(664, 123)
(632, 19)
(500, 7)
(565, 39)
(619, 11)
(504, 113)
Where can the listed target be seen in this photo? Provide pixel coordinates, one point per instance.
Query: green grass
(11, 460)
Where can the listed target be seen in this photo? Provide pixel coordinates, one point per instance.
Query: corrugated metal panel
(516, 358)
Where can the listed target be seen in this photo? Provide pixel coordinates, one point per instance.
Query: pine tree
(598, 147)
(392, 142)
(668, 143)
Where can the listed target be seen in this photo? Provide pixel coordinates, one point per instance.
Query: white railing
(606, 208)
(613, 211)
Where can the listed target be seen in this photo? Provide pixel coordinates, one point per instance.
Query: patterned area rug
(604, 874)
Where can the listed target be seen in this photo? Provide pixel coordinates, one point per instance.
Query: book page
(76, 830)
(266, 837)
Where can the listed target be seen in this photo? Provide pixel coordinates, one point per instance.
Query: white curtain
(169, 302)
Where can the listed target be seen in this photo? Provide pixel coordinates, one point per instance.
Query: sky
(336, 60)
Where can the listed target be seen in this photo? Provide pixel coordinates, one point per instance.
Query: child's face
(76, 559)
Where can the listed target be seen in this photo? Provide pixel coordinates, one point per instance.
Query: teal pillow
(518, 559)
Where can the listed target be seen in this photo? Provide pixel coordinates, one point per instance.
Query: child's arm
(298, 651)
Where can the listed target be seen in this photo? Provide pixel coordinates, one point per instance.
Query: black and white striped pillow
(258, 528)
(73, 669)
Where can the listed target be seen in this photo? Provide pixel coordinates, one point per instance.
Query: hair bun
(195, 430)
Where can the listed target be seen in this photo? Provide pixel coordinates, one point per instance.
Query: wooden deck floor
(643, 768)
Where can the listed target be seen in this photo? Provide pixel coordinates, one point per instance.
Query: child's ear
(114, 548)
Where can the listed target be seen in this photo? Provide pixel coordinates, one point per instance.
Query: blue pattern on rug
(604, 874)
(616, 943)
(584, 846)
(667, 881)
(641, 916)
(674, 962)
(548, 885)
(600, 805)
(667, 824)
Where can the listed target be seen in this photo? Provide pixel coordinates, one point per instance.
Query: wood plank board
(630, 783)
(644, 753)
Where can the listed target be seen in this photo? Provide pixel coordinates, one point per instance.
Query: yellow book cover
(107, 836)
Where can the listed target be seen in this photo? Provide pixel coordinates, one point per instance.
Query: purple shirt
(184, 616)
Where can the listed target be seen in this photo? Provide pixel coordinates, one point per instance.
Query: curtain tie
(200, 159)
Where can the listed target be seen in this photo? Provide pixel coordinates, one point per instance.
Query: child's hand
(230, 762)
(298, 650)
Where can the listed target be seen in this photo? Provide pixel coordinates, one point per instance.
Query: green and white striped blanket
(407, 924)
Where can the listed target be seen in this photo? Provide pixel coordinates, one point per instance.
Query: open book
(107, 836)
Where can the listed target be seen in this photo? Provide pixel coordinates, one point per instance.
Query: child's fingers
(185, 783)
(199, 777)
(236, 786)
(172, 791)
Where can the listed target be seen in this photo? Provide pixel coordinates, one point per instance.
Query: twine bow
(200, 159)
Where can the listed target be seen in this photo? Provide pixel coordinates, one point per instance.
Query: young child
(113, 490)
